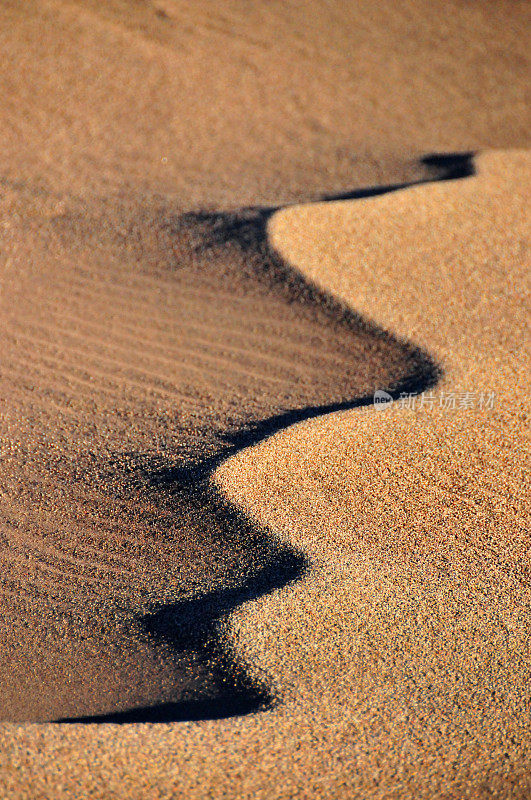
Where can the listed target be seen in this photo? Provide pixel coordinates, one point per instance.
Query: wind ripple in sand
(148, 350)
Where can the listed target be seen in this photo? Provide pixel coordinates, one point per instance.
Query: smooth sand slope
(362, 576)
(237, 103)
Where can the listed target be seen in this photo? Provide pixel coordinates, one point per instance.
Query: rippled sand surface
(223, 229)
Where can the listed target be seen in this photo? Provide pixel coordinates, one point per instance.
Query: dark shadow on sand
(197, 624)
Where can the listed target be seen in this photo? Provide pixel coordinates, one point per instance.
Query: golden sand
(144, 345)
(402, 658)
(410, 636)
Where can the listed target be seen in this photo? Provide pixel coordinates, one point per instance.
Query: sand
(209, 533)
(125, 384)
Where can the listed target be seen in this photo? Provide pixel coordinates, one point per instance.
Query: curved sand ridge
(141, 347)
(401, 656)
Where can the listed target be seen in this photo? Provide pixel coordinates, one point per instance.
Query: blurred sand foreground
(399, 659)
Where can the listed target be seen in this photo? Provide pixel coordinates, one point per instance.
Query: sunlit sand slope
(410, 639)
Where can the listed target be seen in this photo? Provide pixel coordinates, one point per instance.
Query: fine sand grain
(273, 600)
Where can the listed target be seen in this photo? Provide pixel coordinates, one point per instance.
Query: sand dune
(204, 521)
(401, 657)
(125, 380)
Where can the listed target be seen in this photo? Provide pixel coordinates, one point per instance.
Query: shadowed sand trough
(117, 604)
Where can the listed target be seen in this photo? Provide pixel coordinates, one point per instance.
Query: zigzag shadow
(197, 624)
